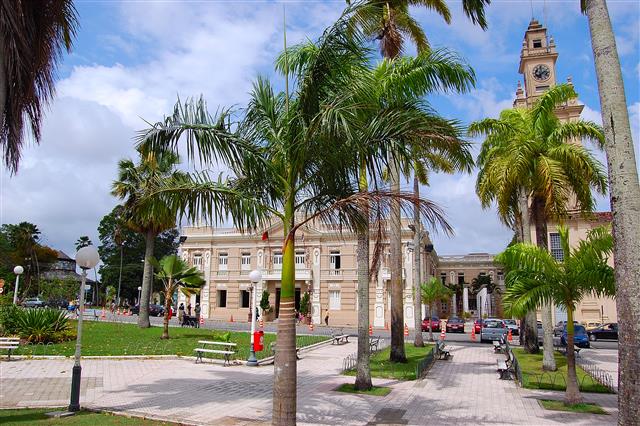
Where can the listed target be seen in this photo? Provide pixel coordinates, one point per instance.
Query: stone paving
(463, 390)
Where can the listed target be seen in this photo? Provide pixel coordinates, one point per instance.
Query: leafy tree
(433, 291)
(624, 192)
(60, 290)
(83, 241)
(535, 277)
(264, 301)
(176, 273)
(33, 36)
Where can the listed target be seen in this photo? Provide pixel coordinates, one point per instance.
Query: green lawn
(383, 368)
(104, 338)
(375, 391)
(550, 404)
(25, 417)
(533, 377)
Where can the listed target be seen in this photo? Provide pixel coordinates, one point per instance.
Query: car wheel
(593, 337)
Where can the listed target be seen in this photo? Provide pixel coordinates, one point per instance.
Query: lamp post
(86, 258)
(18, 270)
(255, 276)
(139, 294)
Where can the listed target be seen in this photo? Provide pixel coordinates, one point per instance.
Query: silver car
(492, 329)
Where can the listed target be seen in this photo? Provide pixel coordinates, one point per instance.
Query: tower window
(537, 43)
(541, 89)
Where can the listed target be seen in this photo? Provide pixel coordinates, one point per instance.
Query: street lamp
(139, 294)
(18, 270)
(86, 258)
(255, 276)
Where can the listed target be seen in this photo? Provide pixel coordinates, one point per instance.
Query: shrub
(42, 325)
(304, 304)
(9, 319)
(264, 301)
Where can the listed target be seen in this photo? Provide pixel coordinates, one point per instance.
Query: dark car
(606, 331)
(33, 302)
(455, 324)
(154, 310)
(58, 303)
(580, 338)
(435, 324)
(513, 326)
(477, 326)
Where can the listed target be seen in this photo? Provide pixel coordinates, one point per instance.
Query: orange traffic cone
(442, 334)
(261, 323)
(231, 319)
(510, 336)
(311, 326)
(201, 320)
(103, 315)
(406, 329)
(118, 311)
(370, 330)
(473, 334)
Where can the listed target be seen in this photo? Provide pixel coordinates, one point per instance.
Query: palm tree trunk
(417, 279)
(573, 390)
(363, 375)
(548, 361)
(3, 76)
(147, 279)
(397, 353)
(625, 204)
(285, 367)
(529, 327)
(120, 274)
(167, 305)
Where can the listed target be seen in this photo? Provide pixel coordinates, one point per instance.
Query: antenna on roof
(531, 3)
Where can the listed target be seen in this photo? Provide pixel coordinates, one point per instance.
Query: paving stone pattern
(464, 390)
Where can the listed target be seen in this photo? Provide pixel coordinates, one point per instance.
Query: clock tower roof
(536, 45)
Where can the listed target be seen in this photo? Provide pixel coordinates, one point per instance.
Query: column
(465, 299)
(454, 303)
(316, 312)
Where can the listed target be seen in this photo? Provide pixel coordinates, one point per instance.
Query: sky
(133, 59)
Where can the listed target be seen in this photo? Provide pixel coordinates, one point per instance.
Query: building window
(244, 298)
(334, 300)
(555, 247)
(541, 89)
(460, 277)
(277, 260)
(443, 277)
(222, 298)
(245, 262)
(197, 261)
(300, 258)
(537, 43)
(223, 261)
(334, 262)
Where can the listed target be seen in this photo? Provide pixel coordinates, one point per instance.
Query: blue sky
(132, 59)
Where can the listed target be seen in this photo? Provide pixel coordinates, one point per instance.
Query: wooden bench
(9, 343)
(272, 347)
(505, 366)
(443, 353)
(374, 343)
(227, 350)
(339, 337)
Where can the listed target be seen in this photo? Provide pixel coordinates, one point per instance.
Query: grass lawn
(550, 404)
(84, 418)
(106, 338)
(375, 391)
(383, 368)
(533, 377)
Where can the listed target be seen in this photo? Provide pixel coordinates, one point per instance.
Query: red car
(455, 325)
(477, 326)
(435, 324)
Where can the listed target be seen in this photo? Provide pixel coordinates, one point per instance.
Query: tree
(433, 291)
(33, 36)
(484, 281)
(535, 277)
(175, 273)
(290, 157)
(530, 150)
(83, 241)
(389, 22)
(145, 213)
(624, 193)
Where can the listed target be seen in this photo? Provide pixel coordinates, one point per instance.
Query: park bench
(227, 350)
(9, 343)
(505, 366)
(443, 353)
(272, 347)
(374, 343)
(339, 337)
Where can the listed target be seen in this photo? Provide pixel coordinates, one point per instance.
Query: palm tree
(33, 36)
(83, 241)
(625, 201)
(25, 237)
(389, 22)
(536, 277)
(294, 157)
(433, 291)
(532, 150)
(175, 273)
(144, 213)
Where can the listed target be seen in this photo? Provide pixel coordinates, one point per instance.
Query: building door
(297, 297)
(277, 302)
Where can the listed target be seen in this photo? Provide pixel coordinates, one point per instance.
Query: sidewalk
(464, 390)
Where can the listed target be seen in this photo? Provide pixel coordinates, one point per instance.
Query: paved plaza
(463, 390)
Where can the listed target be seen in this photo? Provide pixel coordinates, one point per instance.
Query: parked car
(33, 302)
(455, 324)
(57, 302)
(606, 331)
(513, 326)
(540, 333)
(154, 310)
(557, 330)
(477, 326)
(492, 329)
(435, 324)
(591, 325)
(580, 338)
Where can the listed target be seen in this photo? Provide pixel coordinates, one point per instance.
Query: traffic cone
(118, 311)
(442, 334)
(311, 327)
(510, 336)
(473, 334)
(231, 319)
(201, 320)
(386, 326)
(406, 329)
(103, 315)
(370, 330)
(261, 323)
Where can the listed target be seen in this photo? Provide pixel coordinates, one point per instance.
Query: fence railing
(351, 361)
(598, 374)
(425, 364)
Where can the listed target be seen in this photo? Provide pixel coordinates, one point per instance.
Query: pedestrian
(181, 313)
(113, 306)
(189, 309)
(326, 317)
(197, 312)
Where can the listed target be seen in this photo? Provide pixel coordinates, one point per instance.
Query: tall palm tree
(624, 191)
(25, 237)
(144, 213)
(389, 22)
(83, 241)
(176, 273)
(33, 36)
(535, 277)
(531, 150)
(431, 292)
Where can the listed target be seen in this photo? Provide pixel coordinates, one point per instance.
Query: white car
(492, 329)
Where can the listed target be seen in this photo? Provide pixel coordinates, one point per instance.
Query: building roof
(63, 256)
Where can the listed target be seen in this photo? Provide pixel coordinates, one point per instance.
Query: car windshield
(493, 324)
(456, 320)
(510, 321)
(578, 329)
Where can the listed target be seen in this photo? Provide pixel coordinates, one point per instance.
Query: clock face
(541, 72)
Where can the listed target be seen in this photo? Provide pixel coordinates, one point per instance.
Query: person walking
(189, 309)
(197, 312)
(326, 317)
(181, 313)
